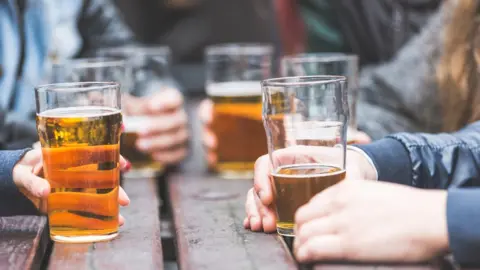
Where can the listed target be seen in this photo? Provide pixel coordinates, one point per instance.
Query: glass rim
(321, 57)
(239, 48)
(76, 86)
(303, 80)
(143, 50)
(92, 62)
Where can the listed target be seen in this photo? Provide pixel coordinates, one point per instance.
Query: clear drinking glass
(150, 73)
(305, 120)
(233, 76)
(336, 64)
(79, 125)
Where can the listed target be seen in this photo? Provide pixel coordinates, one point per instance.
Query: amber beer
(295, 185)
(141, 162)
(81, 162)
(237, 124)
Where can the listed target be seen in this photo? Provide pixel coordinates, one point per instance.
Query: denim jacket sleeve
(429, 161)
(12, 201)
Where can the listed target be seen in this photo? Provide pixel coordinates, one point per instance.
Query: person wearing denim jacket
(424, 204)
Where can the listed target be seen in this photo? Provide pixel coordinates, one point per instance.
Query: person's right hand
(259, 202)
(27, 176)
(205, 112)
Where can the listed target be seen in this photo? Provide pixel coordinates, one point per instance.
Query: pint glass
(79, 125)
(150, 73)
(305, 120)
(234, 73)
(337, 64)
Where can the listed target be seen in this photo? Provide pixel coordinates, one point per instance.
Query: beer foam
(134, 123)
(307, 175)
(235, 89)
(83, 111)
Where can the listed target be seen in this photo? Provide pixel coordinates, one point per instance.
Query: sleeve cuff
(463, 220)
(390, 159)
(8, 160)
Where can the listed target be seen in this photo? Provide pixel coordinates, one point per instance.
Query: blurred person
(189, 26)
(23, 191)
(425, 205)
(34, 34)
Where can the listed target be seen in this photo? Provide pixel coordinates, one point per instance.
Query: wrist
(435, 230)
(364, 162)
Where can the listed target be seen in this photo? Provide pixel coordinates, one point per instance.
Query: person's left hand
(165, 135)
(372, 222)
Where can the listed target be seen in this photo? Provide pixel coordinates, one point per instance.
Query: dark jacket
(442, 161)
(12, 201)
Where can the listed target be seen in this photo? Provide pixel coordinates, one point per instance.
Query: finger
(165, 100)
(252, 212)
(212, 159)
(164, 122)
(34, 185)
(246, 223)
(171, 156)
(161, 142)
(32, 157)
(36, 145)
(125, 165)
(320, 205)
(317, 227)
(205, 111)
(320, 248)
(362, 138)
(121, 220)
(267, 215)
(261, 182)
(133, 105)
(209, 139)
(123, 199)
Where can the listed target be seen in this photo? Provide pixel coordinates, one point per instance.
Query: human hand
(259, 202)
(372, 222)
(165, 133)
(28, 173)
(205, 112)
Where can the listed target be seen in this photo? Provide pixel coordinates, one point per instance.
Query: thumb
(205, 111)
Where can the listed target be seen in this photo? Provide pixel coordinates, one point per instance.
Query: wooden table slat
(210, 233)
(23, 242)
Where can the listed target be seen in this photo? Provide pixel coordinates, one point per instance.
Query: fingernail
(122, 128)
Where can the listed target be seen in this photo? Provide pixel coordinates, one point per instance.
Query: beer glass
(144, 63)
(233, 76)
(79, 125)
(305, 120)
(340, 64)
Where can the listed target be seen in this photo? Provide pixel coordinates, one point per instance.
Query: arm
(463, 221)
(401, 95)
(429, 161)
(101, 26)
(12, 201)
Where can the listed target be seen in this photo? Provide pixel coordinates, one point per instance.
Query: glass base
(83, 239)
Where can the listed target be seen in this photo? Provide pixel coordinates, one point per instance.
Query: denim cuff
(391, 160)
(463, 220)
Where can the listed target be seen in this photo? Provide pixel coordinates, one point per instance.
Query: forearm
(463, 220)
(12, 201)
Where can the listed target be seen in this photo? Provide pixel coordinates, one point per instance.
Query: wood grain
(137, 247)
(208, 217)
(23, 242)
